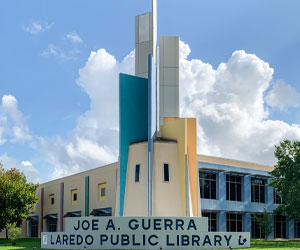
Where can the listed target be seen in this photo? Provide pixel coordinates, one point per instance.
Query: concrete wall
(166, 195)
(136, 199)
(145, 41)
(166, 199)
(168, 77)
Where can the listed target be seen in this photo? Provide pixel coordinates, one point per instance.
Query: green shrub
(13, 232)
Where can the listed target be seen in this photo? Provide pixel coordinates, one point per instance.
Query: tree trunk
(6, 233)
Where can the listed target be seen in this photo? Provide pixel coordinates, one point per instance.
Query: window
(137, 173)
(233, 188)
(34, 226)
(297, 229)
(208, 185)
(51, 200)
(234, 222)
(166, 173)
(279, 226)
(102, 191)
(74, 196)
(257, 190)
(212, 221)
(256, 232)
(277, 197)
(52, 224)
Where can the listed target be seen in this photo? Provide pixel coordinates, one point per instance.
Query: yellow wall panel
(190, 130)
(192, 161)
(177, 129)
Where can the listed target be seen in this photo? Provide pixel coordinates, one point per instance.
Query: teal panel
(87, 195)
(133, 121)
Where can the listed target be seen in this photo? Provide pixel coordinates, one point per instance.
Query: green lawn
(28, 244)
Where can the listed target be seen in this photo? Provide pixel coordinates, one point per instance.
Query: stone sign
(141, 233)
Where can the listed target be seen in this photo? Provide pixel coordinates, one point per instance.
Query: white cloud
(67, 50)
(38, 27)
(31, 173)
(94, 141)
(74, 37)
(228, 103)
(59, 53)
(13, 126)
(282, 96)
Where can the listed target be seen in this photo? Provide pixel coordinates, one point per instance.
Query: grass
(28, 244)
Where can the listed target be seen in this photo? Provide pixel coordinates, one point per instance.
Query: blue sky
(45, 44)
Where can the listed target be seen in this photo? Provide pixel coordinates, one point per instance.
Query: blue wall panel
(245, 205)
(133, 120)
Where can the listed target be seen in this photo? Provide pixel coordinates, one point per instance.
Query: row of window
(74, 195)
(166, 172)
(234, 223)
(208, 188)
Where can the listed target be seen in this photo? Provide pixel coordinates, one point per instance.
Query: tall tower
(145, 40)
(158, 164)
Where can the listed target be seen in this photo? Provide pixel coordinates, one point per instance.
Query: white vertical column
(168, 77)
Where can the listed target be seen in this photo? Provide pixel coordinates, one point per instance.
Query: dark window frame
(103, 191)
(208, 185)
(137, 173)
(212, 220)
(52, 224)
(166, 172)
(34, 228)
(256, 231)
(75, 197)
(297, 229)
(258, 190)
(234, 187)
(280, 226)
(234, 222)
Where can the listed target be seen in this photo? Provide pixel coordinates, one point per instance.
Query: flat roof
(233, 163)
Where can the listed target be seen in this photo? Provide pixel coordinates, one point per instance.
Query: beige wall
(166, 195)
(107, 174)
(136, 200)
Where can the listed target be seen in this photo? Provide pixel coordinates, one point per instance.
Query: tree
(13, 232)
(286, 178)
(265, 223)
(17, 197)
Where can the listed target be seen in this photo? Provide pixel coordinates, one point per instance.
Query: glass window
(166, 172)
(208, 185)
(51, 200)
(234, 222)
(233, 188)
(102, 191)
(212, 221)
(34, 227)
(297, 229)
(52, 224)
(256, 232)
(257, 190)
(137, 173)
(280, 226)
(277, 197)
(74, 196)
